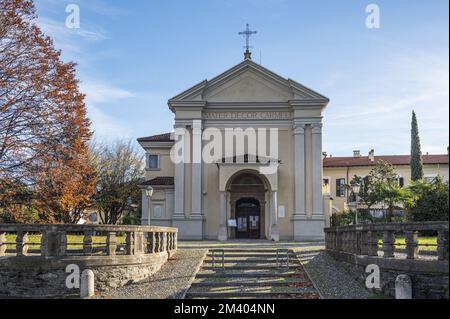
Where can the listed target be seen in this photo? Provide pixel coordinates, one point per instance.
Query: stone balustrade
(54, 240)
(361, 245)
(364, 239)
(34, 264)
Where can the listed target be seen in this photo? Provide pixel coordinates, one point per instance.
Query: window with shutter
(340, 187)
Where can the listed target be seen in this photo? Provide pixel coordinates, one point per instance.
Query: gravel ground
(170, 282)
(333, 279)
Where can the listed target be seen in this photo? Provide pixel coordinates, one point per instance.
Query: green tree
(428, 201)
(391, 194)
(367, 193)
(380, 186)
(386, 187)
(416, 153)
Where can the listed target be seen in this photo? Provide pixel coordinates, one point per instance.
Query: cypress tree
(416, 153)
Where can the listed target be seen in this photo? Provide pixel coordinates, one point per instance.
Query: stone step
(248, 250)
(250, 282)
(262, 255)
(304, 293)
(252, 289)
(250, 274)
(250, 261)
(250, 266)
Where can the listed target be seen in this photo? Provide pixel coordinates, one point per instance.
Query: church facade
(244, 160)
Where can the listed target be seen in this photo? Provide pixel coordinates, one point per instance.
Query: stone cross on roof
(247, 33)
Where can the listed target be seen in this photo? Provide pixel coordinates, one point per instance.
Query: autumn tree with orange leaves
(44, 128)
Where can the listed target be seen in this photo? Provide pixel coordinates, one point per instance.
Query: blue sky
(134, 55)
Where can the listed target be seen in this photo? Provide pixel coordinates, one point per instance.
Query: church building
(244, 160)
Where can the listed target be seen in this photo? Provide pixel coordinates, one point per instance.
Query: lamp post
(149, 193)
(355, 189)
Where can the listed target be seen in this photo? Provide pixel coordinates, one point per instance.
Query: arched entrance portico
(248, 180)
(247, 193)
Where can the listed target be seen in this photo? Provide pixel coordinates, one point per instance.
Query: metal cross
(247, 33)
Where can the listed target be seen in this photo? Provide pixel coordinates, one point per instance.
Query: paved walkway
(171, 282)
(331, 277)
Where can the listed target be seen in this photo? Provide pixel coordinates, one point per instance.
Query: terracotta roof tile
(160, 181)
(166, 137)
(392, 159)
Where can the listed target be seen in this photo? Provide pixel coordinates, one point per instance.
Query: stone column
(309, 227)
(2, 244)
(299, 162)
(317, 169)
(299, 217)
(274, 231)
(180, 136)
(53, 243)
(196, 211)
(223, 217)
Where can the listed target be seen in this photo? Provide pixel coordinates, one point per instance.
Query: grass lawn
(401, 242)
(76, 241)
(73, 241)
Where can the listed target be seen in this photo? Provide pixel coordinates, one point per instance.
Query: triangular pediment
(248, 86)
(248, 82)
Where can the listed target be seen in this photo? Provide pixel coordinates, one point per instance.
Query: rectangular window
(326, 185)
(153, 161)
(401, 182)
(157, 211)
(340, 187)
(430, 178)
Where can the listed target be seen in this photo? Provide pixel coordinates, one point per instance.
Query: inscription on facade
(247, 115)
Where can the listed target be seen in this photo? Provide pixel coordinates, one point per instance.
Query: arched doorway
(248, 218)
(247, 204)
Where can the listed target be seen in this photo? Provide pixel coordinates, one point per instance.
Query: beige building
(339, 171)
(250, 144)
(245, 161)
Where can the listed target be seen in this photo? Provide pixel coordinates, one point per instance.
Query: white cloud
(106, 127)
(58, 30)
(103, 93)
(98, 96)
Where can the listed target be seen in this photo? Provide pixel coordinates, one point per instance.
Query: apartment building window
(157, 211)
(326, 185)
(430, 178)
(153, 161)
(340, 187)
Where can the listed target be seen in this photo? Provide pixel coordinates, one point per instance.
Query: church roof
(392, 159)
(297, 91)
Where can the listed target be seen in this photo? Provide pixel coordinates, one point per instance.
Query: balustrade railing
(85, 240)
(365, 239)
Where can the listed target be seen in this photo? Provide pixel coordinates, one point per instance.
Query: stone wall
(359, 246)
(34, 277)
(430, 279)
(43, 272)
